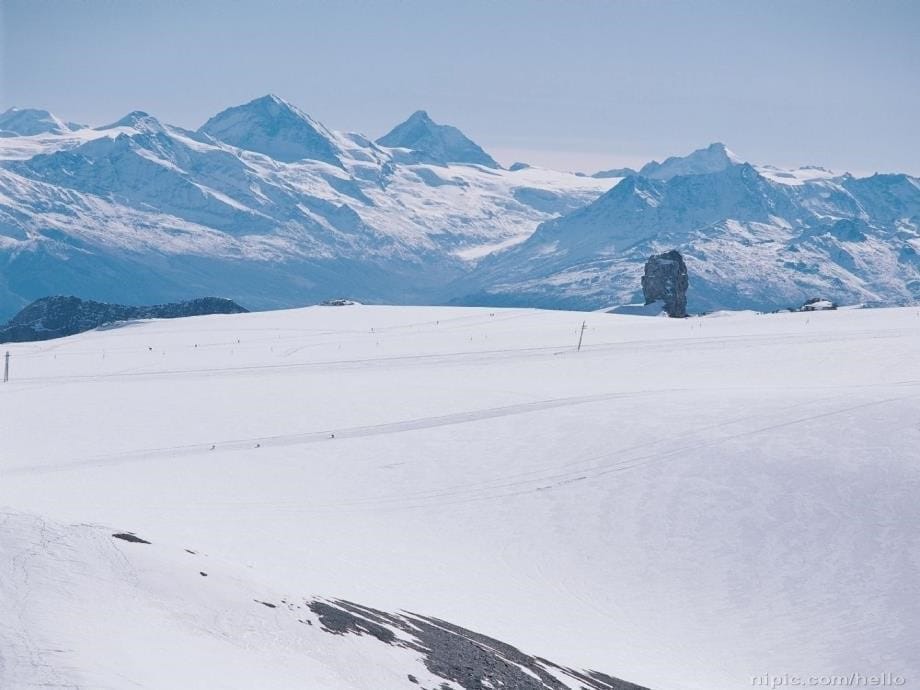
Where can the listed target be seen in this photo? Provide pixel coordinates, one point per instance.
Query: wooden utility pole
(580, 336)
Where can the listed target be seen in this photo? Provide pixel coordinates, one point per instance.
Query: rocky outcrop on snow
(61, 579)
(665, 279)
(818, 304)
(471, 660)
(56, 317)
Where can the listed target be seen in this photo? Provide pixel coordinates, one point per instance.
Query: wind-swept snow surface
(683, 504)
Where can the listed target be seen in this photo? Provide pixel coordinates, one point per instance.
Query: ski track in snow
(323, 436)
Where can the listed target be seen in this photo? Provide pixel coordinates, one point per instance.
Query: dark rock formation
(469, 659)
(337, 302)
(666, 279)
(615, 172)
(818, 304)
(130, 536)
(56, 317)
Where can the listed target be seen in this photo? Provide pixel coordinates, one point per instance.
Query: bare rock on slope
(56, 317)
(666, 279)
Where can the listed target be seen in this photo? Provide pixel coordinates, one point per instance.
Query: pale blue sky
(577, 85)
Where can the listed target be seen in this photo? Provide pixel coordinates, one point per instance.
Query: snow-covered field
(683, 504)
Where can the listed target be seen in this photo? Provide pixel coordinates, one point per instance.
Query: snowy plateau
(374, 497)
(266, 206)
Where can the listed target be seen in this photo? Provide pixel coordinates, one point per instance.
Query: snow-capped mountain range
(262, 202)
(267, 206)
(753, 237)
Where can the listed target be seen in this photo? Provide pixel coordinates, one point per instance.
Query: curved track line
(325, 436)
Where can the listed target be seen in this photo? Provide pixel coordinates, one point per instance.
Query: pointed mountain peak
(274, 104)
(27, 122)
(720, 150)
(272, 126)
(137, 120)
(436, 143)
(713, 158)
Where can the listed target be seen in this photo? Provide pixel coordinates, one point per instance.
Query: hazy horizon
(584, 87)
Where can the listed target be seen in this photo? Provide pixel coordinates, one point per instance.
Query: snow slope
(274, 127)
(164, 617)
(683, 504)
(713, 158)
(30, 121)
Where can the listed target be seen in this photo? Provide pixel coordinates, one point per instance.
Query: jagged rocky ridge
(472, 660)
(269, 207)
(56, 317)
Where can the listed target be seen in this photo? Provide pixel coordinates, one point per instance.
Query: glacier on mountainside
(262, 204)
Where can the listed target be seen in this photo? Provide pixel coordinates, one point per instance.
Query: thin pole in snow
(6, 367)
(581, 335)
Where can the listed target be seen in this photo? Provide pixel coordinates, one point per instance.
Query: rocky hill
(56, 317)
